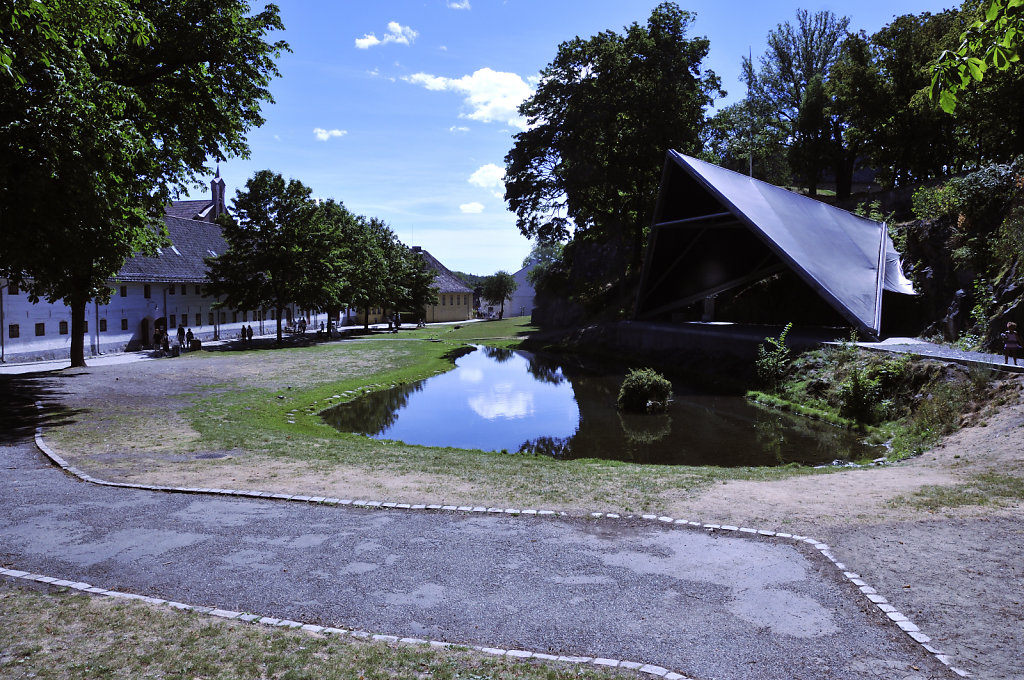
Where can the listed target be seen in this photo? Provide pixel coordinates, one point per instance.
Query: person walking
(181, 335)
(189, 336)
(248, 334)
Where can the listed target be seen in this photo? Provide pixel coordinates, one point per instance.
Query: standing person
(181, 335)
(248, 334)
(189, 336)
(1011, 343)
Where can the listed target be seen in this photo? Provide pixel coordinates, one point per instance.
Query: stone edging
(904, 623)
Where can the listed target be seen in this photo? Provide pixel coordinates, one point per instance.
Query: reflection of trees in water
(498, 354)
(770, 435)
(371, 413)
(555, 447)
(645, 428)
(545, 372)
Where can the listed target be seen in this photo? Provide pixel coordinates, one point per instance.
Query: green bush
(859, 397)
(644, 391)
(773, 359)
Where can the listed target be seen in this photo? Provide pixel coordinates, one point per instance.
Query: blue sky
(405, 109)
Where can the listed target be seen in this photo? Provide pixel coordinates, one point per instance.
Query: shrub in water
(644, 391)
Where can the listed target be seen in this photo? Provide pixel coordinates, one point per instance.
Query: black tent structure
(715, 230)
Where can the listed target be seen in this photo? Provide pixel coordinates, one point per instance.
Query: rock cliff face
(949, 285)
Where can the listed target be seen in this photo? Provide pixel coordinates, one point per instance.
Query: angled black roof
(715, 230)
(183, 260)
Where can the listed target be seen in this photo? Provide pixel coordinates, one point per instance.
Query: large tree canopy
(282, 248)
(791, 83)
(107, 108)
(605, 111)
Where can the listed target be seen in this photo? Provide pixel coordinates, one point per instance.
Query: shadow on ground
(20, 417)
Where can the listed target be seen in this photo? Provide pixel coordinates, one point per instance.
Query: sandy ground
(957, 572)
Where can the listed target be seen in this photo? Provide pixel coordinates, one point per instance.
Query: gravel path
(704, 604)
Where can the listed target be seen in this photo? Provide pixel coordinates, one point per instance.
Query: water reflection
(519, 402)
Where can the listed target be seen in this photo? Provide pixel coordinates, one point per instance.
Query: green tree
(741, 130)
(107, 108)
(993, 40)
(498, 288)
(606, 110)
(913, 140)
(791, 79)
(282, 249)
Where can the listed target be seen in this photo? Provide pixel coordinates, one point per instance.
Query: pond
(518, 402)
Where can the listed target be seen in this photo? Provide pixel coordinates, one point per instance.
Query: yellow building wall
(450, 307)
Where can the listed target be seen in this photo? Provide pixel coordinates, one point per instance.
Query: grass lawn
(62, 636)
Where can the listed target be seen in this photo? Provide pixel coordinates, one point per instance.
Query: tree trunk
(501, 310)
(279, 334)
(366, 318)
(77, 332)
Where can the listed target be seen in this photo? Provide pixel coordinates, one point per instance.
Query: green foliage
(644, 390)
(772, 359)
(981, 196)
(859, 397)
(791, 84)
(499, 287)
(109, 107)
(604, 113)
(993, 41)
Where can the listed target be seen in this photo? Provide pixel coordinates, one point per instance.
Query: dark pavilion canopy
(716, 230)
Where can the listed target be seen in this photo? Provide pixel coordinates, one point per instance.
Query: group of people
(186, 339)
(246, 335)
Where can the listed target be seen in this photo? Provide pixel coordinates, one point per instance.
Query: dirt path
(957, 572)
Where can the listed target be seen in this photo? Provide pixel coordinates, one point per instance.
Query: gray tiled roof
(188, 210)
(446, 281)
(191, 241)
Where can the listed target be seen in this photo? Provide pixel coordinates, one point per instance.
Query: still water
(500, 400)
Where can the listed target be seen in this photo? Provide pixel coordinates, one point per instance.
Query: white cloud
(473, 208)
(492, 96)
(459, 4)
(491, 177)
(458, 128)
(397, 33)
(323, 135)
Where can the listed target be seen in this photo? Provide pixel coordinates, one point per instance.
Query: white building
(150, 293)
(521, 303)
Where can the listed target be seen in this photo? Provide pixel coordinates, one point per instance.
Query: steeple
(217, 191)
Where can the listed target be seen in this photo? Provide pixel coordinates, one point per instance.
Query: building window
(223, 317)
(234, 317)
(170, 291)
(146, 292)
(442, 301)
(199, 291)
(211, 318)
(40, 329)
(103, 325)
(12, 288)
(124, 291)
(245, 316)
(184, 289)
(199, 319)
(63, 327)
(14, 331)
(174, 321)
(124, 324)
(273, 314)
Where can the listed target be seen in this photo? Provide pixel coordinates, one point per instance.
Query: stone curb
(870, 593)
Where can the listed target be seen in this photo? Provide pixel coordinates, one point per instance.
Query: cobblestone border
(902, 621)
